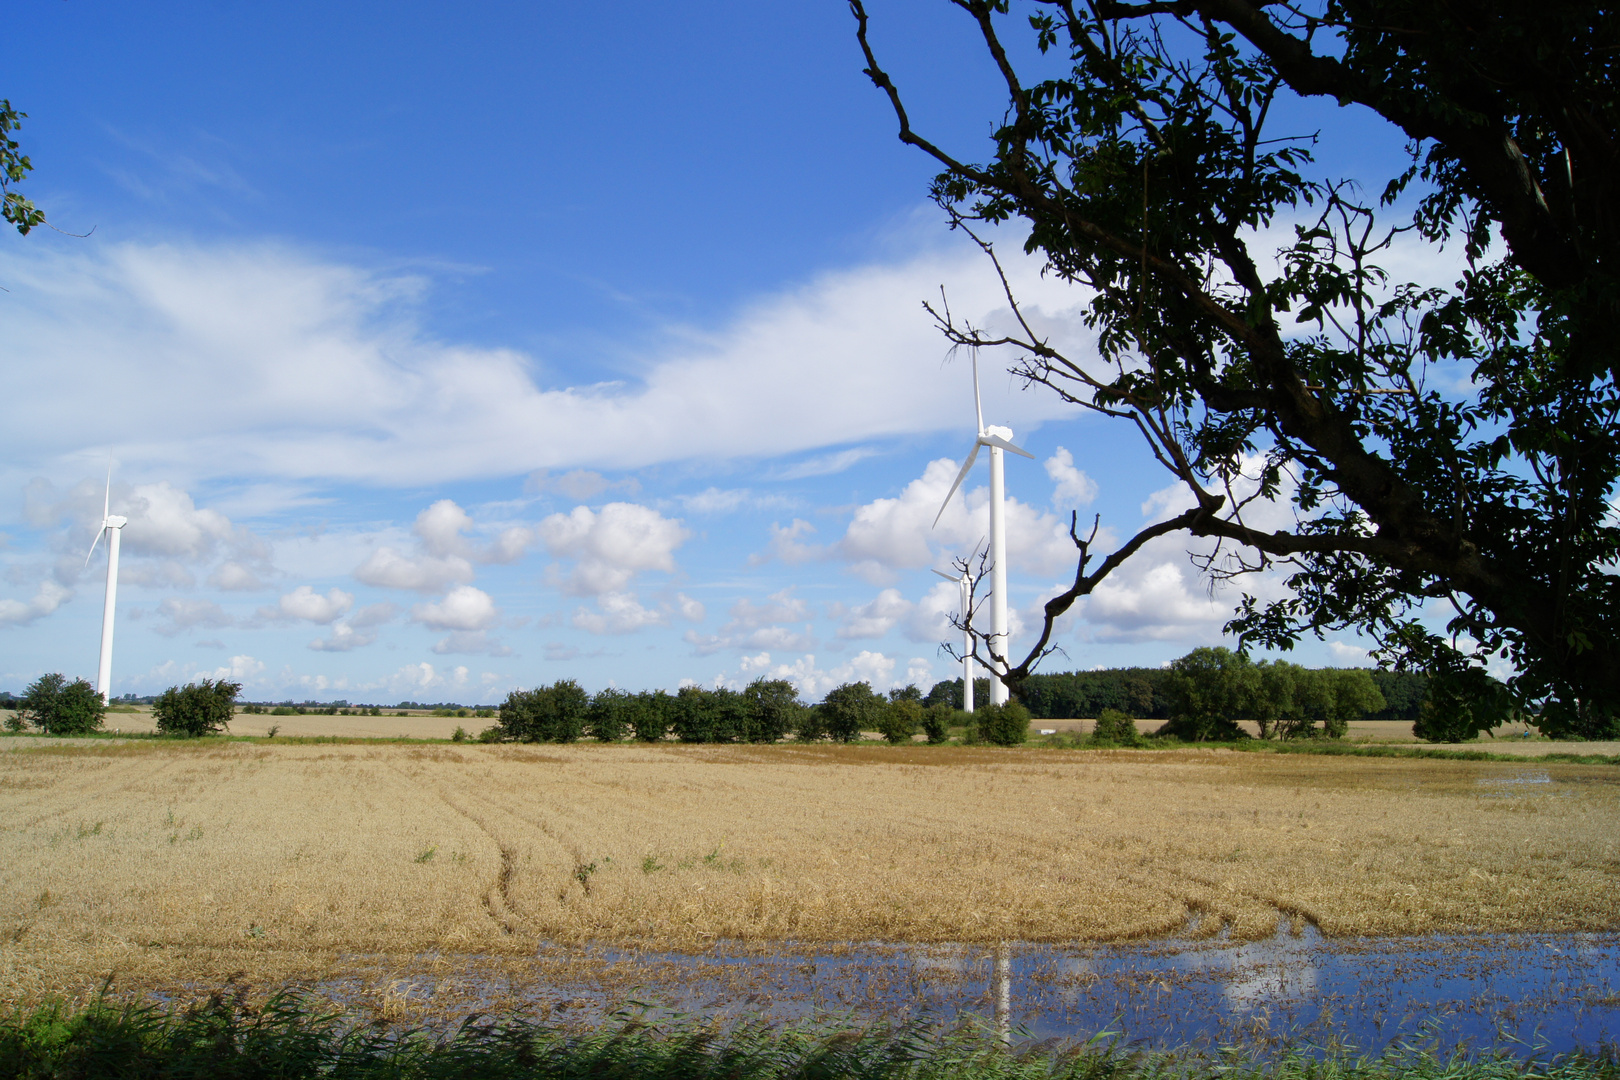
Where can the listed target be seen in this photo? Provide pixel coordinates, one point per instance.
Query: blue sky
(447, 349)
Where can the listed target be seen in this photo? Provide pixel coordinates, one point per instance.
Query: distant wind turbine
(113, 525)
(997, 439)
(964, 585)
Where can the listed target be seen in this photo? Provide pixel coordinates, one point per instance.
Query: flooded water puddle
(1552, 993)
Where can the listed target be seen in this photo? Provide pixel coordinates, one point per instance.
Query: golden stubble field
(168, 864)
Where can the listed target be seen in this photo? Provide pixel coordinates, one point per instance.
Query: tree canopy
(1449, 443)
(15, 208)
(59, 707)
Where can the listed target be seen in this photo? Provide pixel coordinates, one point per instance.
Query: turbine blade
(966, 465)
(997, 440)
(943, 574)
(106, 499)
(93, 544)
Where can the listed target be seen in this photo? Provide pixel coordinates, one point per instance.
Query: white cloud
(182, 615)
(813, 682)
(1072, 488)
(689, 609)
(232, 576)
(1349, 655)
(241, 669)
(577, 484)
(825, 464)
(46, 600)
(931, 617)
(888, 535)
(298, 367)
(618, 613)
(389, 569)
(476, 642)
(611, 546)
(307, 604)
(344, 638)
(755, 663)
(876, 618)
(785, 545)
(462, 608)
(446, 556)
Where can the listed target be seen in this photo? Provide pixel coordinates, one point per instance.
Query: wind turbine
(113, 525)
(997, 439)
(964, 584)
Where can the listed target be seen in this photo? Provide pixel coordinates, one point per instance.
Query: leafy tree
(555, 713)
(1209, 690)
(648, 716)
(851, 709)
(59, 707)
(14, 208)
(900, 719)
(1459, 442)
(812, 724)
(774, 709)
(1275, 701)
(1461, 704)
(204, 707)
(609, 715)
(1114, 728)
(1002, 725)
(936, 722)
(950, 692)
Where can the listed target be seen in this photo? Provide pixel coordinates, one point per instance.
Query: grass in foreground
(291, 1037)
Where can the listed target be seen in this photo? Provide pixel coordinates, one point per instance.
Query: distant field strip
(171, 861)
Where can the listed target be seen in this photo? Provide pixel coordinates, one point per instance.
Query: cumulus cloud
(889, 535)
(612, 546)
(445, 556)
(46, 600)
(462, 608)
(618, 613)
(181, 615)
(476, 642)
(344, 637)
(877, 618)
(242, 669)
(307, 604)
(813, 681)
(390, 569)
(232, 576)
(760, 626)
(1071, 487)
(787, 545)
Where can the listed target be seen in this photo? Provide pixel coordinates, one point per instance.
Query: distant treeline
(1145, 694)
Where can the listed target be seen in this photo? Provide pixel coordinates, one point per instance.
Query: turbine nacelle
(998, 438)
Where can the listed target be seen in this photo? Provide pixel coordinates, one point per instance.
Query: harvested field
(170, 862)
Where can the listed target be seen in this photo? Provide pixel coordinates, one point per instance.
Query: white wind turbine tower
(997, 439)
(964, 585)
(113, 525)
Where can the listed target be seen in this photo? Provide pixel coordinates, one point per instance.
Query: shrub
(936, 722)
(59, 707)
(554, 713)
(459, 735)
(900, 720)
(200, 708)
(1114, 728)
(851, 709)
(491, 734)
(773, 709)
(1003, 725)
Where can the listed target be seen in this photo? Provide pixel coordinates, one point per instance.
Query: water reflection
(1556, 992)
(1296, 990)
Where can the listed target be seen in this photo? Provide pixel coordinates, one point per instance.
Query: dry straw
(167, 862)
